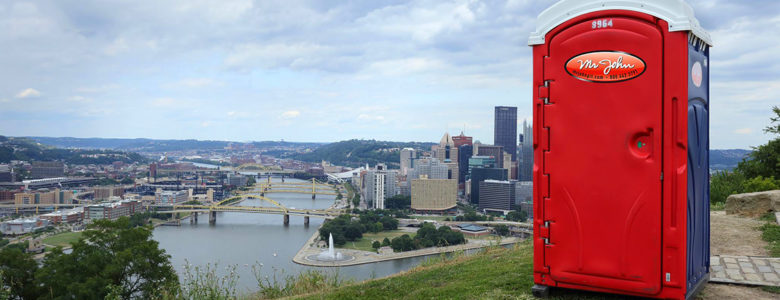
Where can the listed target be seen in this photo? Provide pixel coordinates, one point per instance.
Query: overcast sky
(321, 71)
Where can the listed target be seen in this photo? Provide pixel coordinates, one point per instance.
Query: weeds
(280, 285)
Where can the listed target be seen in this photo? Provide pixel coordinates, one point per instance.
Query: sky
(320, 70)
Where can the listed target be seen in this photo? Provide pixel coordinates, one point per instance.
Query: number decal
(603, 23)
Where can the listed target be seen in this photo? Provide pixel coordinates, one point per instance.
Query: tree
(356, 201)
(109, 253)
(502, 230)
(353, 231)
(517, 216)
(250, 181)
(398, 202)
(17, 271)
(386, 242)
(765, 159)
(376, 245)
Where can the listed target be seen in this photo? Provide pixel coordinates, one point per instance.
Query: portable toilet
(621, 143)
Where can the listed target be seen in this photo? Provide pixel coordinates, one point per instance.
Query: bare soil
(737, 292)
(733, 235)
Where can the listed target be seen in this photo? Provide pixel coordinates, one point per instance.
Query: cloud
(367, 117)
(205, 124)
(290, 114)
(743, 131)
(28, 93)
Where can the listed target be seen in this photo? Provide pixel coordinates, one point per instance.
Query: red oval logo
(605, 66)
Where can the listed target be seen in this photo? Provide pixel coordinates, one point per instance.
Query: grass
(770, 232)
(496, 273)
(63, 239)
(368, 238)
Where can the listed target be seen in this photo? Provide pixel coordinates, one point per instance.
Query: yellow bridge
(314, 188)
(224, 206)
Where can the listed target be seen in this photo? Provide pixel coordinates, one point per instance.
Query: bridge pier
(194, 218)
(313, 196)
(286, 220)
(306, 220)
(212, 217)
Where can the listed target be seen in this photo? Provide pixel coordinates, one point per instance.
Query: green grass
(63, 239)
(770, 232)
(496, 273)
(368, 238)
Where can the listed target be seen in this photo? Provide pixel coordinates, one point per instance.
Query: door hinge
(544, 92)
(662, 176)
(544, 231)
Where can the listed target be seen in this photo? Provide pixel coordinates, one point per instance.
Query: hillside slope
(355, 153)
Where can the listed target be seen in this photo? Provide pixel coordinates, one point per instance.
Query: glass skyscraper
(505, 129)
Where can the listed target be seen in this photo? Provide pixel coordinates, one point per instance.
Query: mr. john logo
(605, 66)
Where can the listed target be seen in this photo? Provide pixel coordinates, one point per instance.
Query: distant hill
(355, 153)
(152, 145)
(726, 159)
(14, 148)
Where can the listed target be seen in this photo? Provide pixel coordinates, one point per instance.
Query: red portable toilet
(621, 143)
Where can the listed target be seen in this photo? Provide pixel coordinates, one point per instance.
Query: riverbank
(366, 257)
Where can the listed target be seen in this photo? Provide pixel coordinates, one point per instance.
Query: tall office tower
(430, 168)
(481, 174)
(380, 184)
(460, 140)
(446, 151)
(496, 152)
(527, 149)
(505, 129)
(407, 155)
(464, 154)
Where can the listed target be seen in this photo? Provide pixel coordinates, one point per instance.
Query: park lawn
(64, 239)
(368, 238)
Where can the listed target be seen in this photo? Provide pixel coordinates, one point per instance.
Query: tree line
(759, 171)
(344, 228)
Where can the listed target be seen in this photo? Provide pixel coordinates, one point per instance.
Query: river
(246, 239)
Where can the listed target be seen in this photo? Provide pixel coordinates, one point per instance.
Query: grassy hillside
(497, 273)
(356, 153)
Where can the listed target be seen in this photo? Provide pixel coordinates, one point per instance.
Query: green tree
(250, 181)
(502, 230)
(386, 242)
(356, 201)
(109, 254)
(376, 245)
(398, 202)
(517, 216)
(765, 159)
(17, 273)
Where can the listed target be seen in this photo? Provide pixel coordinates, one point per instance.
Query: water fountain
(330, 254)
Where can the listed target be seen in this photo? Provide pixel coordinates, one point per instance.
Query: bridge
(224, 206)
(40, 206)
(314, 188)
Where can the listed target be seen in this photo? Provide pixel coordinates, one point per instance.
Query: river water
(246, 239)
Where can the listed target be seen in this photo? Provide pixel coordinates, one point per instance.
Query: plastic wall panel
(698, 224)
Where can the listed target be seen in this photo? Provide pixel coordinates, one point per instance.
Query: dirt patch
(736, 292)
(733, 235)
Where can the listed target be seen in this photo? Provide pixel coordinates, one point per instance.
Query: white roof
(677, 13)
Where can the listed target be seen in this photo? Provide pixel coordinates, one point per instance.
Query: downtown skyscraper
(527, 153)
(505, 129)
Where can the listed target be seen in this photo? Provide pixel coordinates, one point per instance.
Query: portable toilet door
(621, 98)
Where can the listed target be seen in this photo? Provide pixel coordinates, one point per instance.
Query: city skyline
(318, 72)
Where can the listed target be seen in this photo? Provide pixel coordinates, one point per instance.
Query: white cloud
(290, 114)
(28, 93)
(367, 117)
(743, 131)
